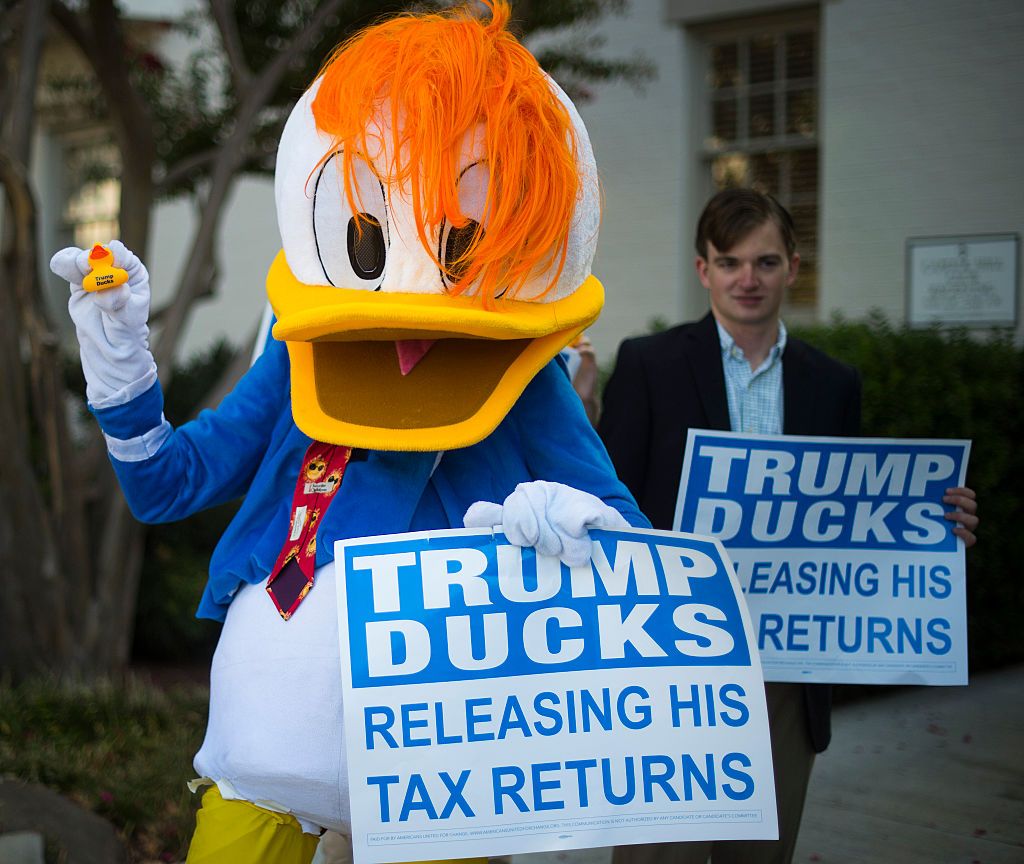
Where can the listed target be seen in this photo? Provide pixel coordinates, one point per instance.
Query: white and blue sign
(499, 702)
(851, 572)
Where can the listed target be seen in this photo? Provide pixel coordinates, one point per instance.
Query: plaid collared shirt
(755, 396)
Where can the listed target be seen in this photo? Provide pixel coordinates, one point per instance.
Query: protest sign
(498, 702)
(851, 573)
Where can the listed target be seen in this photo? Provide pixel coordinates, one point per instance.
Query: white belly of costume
(275, 731)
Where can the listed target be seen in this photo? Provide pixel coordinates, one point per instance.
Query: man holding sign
(851, 573)
(737, 369)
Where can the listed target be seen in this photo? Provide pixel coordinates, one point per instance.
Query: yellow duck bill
(347, 383)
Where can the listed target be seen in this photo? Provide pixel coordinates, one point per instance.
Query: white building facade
(877, 122)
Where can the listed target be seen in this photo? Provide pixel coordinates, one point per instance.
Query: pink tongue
(411, 351)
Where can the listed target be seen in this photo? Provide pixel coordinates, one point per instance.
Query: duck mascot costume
(438, 205)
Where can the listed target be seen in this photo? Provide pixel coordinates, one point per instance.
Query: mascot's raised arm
(438, 206)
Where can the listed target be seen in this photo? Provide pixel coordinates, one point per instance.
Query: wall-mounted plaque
(969, 281)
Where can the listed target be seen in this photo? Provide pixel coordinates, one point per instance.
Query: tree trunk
(37, 518)
(63, 607)
(43, 553)
(132, 125)
(67, 596)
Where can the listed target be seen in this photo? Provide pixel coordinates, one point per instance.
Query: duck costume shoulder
(438, 206)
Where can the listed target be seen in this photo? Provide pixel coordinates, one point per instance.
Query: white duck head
(438, 204)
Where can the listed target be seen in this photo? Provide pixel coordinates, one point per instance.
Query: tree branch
(180, 170)
(46, 402)
(132, 123)
(271, 76)
(230, 159)
(13, 398)
(103, 47)
(71, 23)
(14, 179)
(232, 42)
(23, 107)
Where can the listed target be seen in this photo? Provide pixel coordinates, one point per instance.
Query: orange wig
(439, 76)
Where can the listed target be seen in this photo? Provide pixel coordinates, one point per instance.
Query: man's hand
(550, 516)
(585, 380)
(966, 514)
(111, 326)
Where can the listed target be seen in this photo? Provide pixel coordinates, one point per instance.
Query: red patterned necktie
(319, 479)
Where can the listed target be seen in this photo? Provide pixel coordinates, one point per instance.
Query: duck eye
(366, 250)
(456, 245)
(351, 240)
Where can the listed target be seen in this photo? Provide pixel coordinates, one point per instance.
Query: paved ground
(927, 775)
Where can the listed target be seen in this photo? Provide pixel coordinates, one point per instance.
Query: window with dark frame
(762, 90)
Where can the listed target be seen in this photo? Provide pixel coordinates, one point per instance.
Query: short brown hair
(733, 213)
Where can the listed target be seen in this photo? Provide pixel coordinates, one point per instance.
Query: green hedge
(945, 384)
(123, 751)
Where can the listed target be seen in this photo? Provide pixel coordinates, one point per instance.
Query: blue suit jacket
(250, 446)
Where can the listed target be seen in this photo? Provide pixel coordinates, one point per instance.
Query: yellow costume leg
(237, 832)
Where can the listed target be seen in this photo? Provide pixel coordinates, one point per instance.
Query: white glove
(550, 516)
(111, 326)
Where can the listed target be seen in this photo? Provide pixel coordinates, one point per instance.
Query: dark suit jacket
(669, 382)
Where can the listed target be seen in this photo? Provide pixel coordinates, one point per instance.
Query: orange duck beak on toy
(439, 222)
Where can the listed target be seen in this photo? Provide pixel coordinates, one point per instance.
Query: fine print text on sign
(851, 573)
(498, 702)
